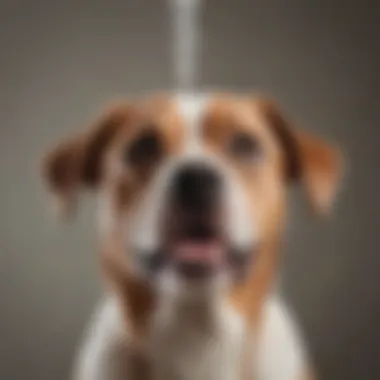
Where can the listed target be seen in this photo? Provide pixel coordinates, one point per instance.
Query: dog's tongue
(198, 252)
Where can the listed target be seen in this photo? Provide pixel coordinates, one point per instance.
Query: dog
(191, 195)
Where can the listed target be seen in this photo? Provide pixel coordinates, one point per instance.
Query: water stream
(186, 32)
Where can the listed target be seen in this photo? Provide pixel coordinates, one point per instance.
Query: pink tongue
(208, 252)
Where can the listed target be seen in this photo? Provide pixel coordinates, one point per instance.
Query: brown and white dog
(191, 210)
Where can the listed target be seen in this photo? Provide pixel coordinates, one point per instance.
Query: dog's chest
(184, 349)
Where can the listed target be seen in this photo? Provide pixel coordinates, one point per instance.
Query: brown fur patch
(265, 187)
(136, 297)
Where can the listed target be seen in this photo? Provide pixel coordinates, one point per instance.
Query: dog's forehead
(188, 114)
(192, 108)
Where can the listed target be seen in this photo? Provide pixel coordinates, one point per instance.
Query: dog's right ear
(76, 163)
(313, 162)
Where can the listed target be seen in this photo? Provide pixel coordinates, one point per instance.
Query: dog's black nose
(196, 188)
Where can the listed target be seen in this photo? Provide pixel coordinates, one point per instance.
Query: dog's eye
(245, 147)
(145, 151)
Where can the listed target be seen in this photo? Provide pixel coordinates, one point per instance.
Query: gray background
(62, 60)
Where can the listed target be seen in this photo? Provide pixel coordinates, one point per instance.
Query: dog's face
(192, 186)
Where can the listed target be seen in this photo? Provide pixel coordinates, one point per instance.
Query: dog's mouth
(199, 249)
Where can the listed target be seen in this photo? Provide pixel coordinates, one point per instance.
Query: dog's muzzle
(195, 243)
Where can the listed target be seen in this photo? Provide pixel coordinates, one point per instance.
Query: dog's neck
(202, 315)
(202, 338)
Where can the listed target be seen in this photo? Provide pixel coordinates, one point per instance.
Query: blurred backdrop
(61, 61)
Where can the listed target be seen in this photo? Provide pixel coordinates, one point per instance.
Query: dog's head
(191, 187)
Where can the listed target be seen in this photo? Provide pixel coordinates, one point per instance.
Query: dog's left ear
(76, 162)
(313, 162)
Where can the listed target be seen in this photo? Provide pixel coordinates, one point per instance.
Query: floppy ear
(313, 162)
(75, 163)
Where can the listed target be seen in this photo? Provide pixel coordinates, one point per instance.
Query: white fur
(281, 354)
(185, 350)
(144, 221)
(105, 344)
(191, 108)
(202, 341)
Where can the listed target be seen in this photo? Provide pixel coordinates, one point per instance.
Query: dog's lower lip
(195, 268)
